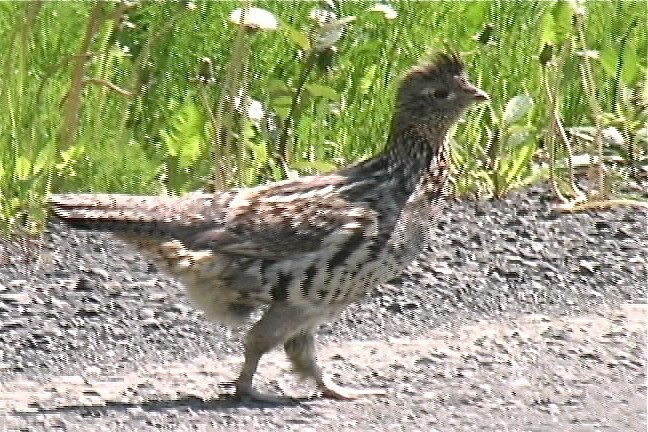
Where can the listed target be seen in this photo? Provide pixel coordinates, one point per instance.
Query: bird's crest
(440, 64)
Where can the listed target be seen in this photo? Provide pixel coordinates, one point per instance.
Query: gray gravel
(518, 319)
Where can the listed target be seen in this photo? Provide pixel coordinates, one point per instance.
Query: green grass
(158, 140)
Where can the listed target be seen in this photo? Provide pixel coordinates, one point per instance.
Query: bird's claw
(249, 394)
(331, 390)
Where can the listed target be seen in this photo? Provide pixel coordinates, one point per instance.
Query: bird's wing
(272, 221)
(276, 221)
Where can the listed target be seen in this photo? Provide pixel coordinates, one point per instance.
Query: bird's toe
(331, 390)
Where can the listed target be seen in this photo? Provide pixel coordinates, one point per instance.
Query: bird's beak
(476, 93)
(480, 95)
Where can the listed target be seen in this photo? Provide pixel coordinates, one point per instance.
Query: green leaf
(608, 59)
(71, 154)
(368, 79)
(295, 36)
(23, 168)
(189, 151)
(276, 88)
(183, 137)
(519, 163)
(282, 112)
(247, 130)
(259, 153)
(319, 90)
(548, 25)
(562, 13)
(516, 138)
(65, 167)
(282, 101)
(475, 14)
(44, 158)
(281, 106)
(630, 71)
(170, 143)
(516, 108)
(318, 165)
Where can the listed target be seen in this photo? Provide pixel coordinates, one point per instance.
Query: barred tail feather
(145, 215)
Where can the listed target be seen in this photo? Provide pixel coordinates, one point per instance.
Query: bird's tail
(159, 227)
(146, 215)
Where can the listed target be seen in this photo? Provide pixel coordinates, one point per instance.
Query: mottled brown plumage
(302, 249)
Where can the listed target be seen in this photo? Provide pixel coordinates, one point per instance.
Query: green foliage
(184, 144)
(135, 118)
(505, 161)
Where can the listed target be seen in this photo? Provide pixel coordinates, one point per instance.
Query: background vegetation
(170, 97)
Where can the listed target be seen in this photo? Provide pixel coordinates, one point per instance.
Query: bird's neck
(413, 164)
(417, 156)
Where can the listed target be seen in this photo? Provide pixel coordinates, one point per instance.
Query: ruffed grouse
(302, 249)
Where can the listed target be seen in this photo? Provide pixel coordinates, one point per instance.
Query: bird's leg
(300, 350)
(279, 323)
(244, 387)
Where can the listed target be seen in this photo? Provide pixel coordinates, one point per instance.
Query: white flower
(322, 16)
(593, 54)
(330, 33)
(578, 6)
(255, 110)
(386, 10)
(254, 19)
(127, 24)
(251, 107)
(611, 135)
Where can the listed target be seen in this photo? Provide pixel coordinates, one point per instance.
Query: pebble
(16, 298)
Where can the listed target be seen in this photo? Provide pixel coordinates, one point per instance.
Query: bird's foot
(251, 395)
(331, 390)
(248, 394)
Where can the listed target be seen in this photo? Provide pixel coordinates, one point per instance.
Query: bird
(297, 252)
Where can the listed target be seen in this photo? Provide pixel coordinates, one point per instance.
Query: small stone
(146, 313)
(100, 272)
(13, 324)
(589, 266)
(150, 322)
(424, 361)
(16, 298)
(85, 284)
(88, 310)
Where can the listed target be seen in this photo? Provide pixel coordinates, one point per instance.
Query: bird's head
(438, 91)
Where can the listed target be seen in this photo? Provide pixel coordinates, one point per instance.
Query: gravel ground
(518, 319)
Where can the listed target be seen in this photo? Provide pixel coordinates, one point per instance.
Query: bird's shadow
(223, 402)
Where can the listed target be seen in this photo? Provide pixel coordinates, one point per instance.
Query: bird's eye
(440, 93)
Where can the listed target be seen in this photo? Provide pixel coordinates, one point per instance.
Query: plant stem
(222, 120)
(619, 67)
(73, 99)
(285, 129)
(587, 79)
(140, 60)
